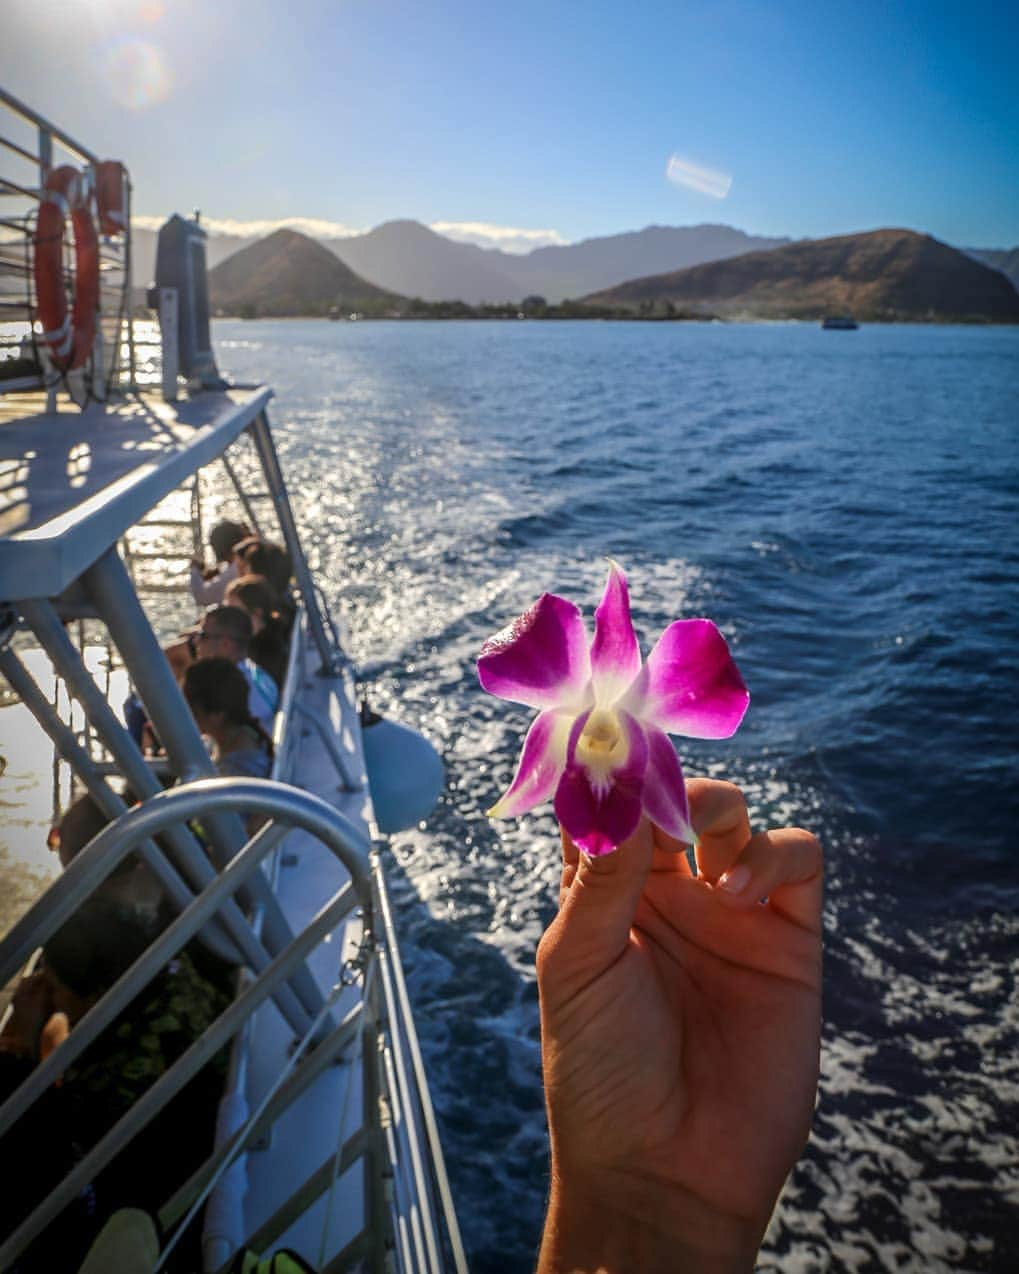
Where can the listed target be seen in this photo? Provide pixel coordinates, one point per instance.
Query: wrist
(646, 1228)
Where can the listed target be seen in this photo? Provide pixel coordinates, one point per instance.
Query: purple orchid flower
(599, 741)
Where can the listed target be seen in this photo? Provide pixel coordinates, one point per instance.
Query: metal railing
(391, 1077)
(30, 146)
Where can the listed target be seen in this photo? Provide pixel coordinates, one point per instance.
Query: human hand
(680, 1024)
(31, 1006)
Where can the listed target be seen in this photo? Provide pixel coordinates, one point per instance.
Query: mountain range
(886, 275)
(406, 257)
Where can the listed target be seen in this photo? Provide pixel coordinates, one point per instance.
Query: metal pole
(109, 586)
(376, 1215)
(242, 495)
(154, 1099)
(24, 685)
(189, 857)
(129, 284)
(111, 591)
(155, 957)
(266, 449)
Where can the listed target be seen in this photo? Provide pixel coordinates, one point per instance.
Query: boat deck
(309, 1133)
(72, 482)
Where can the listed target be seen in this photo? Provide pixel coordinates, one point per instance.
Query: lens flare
(706, 181)
(137, 73)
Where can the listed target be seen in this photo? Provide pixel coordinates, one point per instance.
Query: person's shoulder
(246, 763)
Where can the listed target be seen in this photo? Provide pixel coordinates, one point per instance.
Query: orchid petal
(600, 815)
(541, 659)
(665, 800)
(615, 654)
(541, 763)
(690, 684)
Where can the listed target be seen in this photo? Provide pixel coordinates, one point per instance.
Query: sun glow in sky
(516, 127)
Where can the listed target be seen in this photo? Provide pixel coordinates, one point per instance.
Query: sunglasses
(202, 635)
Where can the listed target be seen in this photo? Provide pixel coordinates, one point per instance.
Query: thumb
(598, 910)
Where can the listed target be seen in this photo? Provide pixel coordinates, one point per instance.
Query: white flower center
(602, 748)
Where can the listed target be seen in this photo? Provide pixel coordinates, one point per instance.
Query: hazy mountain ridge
(884, 275)
(288, 273)
(572, 270)
(407, 258)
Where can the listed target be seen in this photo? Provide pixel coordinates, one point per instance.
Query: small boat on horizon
(839, 323)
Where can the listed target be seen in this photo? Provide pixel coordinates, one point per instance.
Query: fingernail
(735, 881)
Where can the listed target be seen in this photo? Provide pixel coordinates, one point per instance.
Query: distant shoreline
(716, 320)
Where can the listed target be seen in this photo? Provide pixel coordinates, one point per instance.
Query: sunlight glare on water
(815, 498)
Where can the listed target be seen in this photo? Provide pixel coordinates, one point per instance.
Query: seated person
(225, 632)
(268, 645)
(208, 587)
(80, 962)
(255, 556)
(217, 694)
(132, 883)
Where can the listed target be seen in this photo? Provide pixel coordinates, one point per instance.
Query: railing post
(108, 584)
(273, 474)
(45, 153)
(189, 857)
(376, 1210)
(242, 495)
(25, 687)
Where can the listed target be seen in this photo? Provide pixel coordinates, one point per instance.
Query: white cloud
(706, 181)
(506, 238)
(316, 227)
(481, 233)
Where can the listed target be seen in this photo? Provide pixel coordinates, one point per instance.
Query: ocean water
(845, 506)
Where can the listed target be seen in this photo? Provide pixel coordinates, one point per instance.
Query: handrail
(261, 796)
(107, 368)
(404, 1016)
(283, 733)
(33, 117)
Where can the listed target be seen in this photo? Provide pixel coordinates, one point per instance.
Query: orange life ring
(70, 336)
(111, 196)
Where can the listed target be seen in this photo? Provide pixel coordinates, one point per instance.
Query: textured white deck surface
(308, 1133)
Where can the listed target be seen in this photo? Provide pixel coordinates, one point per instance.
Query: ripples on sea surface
(845, 506)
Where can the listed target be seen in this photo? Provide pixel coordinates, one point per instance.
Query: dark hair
(218, 686)
(82, 822)
(232, 622)
(223, 536)
(103, 938)
(264, 558)
(255, 593)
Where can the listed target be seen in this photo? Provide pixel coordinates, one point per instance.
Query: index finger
(718, 812)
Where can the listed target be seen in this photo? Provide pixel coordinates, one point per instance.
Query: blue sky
(542, 121)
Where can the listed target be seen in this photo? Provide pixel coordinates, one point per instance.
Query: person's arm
(210, 592)
(180, 654)
(31, 1007)
(680, 1042)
